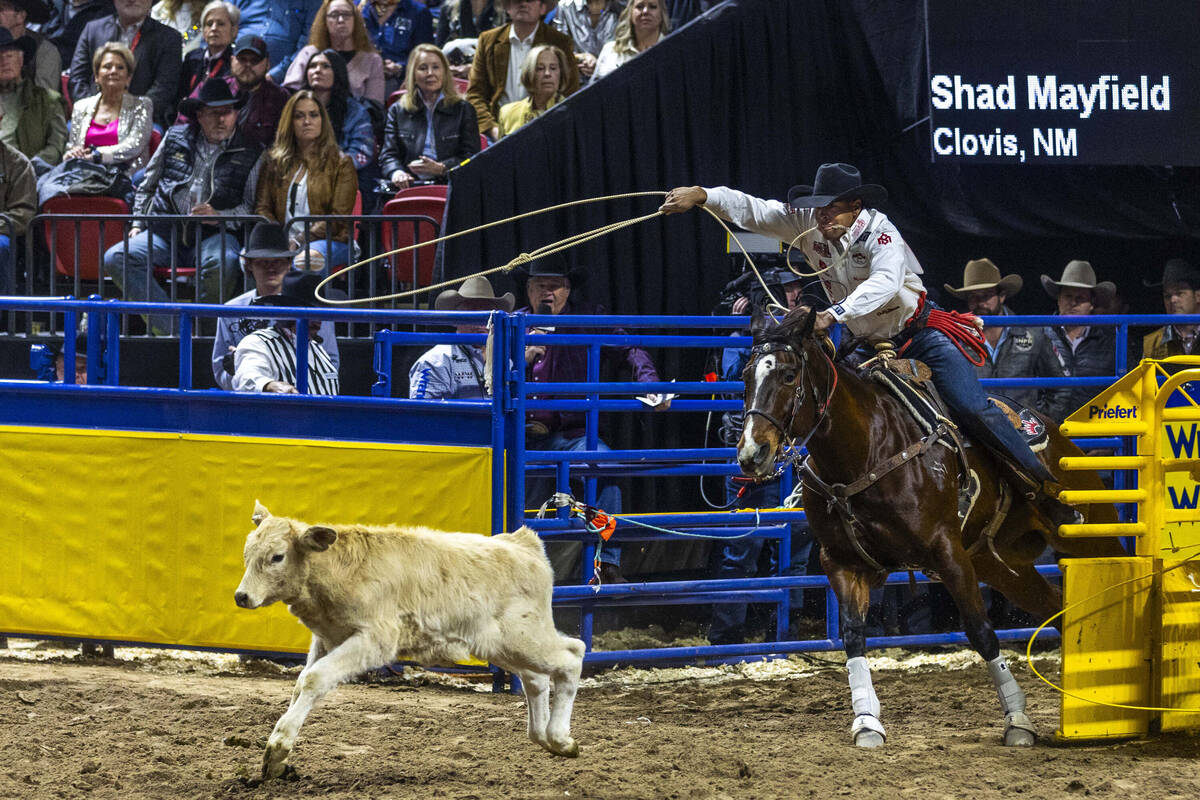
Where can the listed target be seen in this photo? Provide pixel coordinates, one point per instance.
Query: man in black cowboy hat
(1012, 352)
(44, 65)
(33, 121)
(1181, 295)
(265, 360)
(266, 260)
(157, 48)
(873, 280)
(551, 288)
(1084, 350)
(457, 371)
(206, 169)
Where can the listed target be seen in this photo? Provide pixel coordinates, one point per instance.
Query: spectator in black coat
(157, 48)
(419, 144)
(1084, 350)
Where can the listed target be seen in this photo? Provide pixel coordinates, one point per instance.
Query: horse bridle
(798, 395)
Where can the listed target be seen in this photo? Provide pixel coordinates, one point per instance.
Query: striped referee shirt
(270, 355)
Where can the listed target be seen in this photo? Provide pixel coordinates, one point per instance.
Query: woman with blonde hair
(432, 128)
(112, 127)
(338, 26)
(306, 174)
(642, 25)
(544, 76)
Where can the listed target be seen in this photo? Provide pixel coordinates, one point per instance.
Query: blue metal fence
(500, 424)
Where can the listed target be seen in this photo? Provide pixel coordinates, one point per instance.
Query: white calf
(373, 595)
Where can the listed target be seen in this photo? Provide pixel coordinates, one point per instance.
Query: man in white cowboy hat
(1012, 352)
(267, 260)
(1181, 295)
(1084, 350)
(458, 371)
(873, 280)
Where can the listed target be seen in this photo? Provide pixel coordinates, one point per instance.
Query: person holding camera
(744, 558)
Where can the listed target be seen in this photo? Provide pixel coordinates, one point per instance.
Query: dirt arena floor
(167, 724)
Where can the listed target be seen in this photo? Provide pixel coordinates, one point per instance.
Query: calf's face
(275, 556)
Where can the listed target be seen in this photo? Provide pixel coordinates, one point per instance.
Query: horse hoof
(274, 763)
(569, 750)
(1019, 737)
(1019, 731)
(868, 739)
(867, 731)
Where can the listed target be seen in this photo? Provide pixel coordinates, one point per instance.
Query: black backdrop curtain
(756, 94)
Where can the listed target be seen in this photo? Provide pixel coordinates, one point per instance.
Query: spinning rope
(549, 249)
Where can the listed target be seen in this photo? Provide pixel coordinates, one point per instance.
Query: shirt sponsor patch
(884, 239)
(858, 258)
(1023, 341)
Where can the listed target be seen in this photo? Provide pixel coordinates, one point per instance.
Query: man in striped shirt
(265, 360)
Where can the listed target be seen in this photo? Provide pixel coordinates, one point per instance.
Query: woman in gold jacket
(304, 174)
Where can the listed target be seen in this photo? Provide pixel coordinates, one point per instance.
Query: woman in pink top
(338, 26)
(112, 127)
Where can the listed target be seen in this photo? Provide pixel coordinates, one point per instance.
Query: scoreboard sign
(1064, 82)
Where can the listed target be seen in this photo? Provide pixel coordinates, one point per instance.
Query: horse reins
(798, 395)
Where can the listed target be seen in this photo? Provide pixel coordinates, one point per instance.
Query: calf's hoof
(566, 749)
(274, 763)
(1019, 730)
(867, 731)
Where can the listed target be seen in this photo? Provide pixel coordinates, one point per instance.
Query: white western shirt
(874, 283)
(268, 355)
(517, 50)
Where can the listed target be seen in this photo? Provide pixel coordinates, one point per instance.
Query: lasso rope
(1057, 688)
(555, 247)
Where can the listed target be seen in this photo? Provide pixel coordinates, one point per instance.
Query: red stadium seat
(65, 84)
(424, 190)
(155, 138)
(394, 96)
(483, 142)
(91, 247)
(462, 84)
(404, 234)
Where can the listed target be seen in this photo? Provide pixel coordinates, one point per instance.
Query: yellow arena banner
(137, 536)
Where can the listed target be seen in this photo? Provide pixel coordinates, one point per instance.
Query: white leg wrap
(1012, 699)
(862, 693)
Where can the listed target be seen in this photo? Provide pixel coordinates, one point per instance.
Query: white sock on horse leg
(1012, 699)
(862, 692)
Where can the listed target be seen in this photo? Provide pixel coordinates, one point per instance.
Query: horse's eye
(790, 376)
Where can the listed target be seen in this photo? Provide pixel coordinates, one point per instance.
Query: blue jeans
(739, 559)
(608, 494)
(335, 253)
(8, 267)
(219, 274)
(956, 381)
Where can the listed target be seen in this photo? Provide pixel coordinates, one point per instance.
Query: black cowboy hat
(836, 182)
(299, 290)
(551, 266)
(1176, 270)
(36, 11)
(25, 43)
(477, 288)
(268, 240)
(214, 93)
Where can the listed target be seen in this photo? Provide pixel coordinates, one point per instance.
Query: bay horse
(882, 494)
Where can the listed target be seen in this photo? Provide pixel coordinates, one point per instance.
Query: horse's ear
(810, 320)
(759, 322)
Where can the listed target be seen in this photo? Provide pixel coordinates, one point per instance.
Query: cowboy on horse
(867, 263)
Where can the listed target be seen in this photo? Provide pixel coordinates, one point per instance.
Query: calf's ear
(260, 513)
(317, 537)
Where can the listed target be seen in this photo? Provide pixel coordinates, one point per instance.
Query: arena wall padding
(137, 536)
